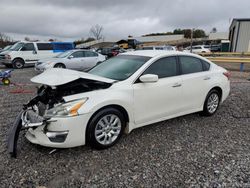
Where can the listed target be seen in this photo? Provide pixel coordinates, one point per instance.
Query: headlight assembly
(66, 109)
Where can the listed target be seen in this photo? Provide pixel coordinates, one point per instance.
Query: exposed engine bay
(50, 96)
(47, 98)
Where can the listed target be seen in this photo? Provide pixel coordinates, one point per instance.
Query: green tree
(199, 33)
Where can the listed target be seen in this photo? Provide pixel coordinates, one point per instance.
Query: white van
(26, 52)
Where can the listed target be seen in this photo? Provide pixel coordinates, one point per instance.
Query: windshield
(120, 67)
(64, 54)
(17, 46)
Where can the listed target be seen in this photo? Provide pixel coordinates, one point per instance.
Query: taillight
(227, 74)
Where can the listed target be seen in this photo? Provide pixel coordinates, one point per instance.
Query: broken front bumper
(62, 132)
(24, 120)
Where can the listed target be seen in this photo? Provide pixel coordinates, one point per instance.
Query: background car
(215, 48)
(110, 52)
(28, 53)
(72, 59)
(168, 48)
(198, 49)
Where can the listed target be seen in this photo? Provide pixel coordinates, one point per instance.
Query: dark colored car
(215, 48)
(109, 52)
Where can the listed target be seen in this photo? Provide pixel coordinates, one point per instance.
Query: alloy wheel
(108, 129)
(213, 103)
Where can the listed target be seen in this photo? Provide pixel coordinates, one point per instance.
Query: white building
(239, 35)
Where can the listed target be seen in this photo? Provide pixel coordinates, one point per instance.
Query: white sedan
(72, 59)
(121, 94)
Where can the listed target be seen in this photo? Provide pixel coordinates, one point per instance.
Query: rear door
(75, 60)
(195, 78)
(153, 101)
(90, 60)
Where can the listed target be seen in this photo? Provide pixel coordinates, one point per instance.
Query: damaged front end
(35, 113)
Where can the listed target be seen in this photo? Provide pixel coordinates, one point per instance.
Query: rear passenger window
(206, 65)
(190, 65)
(90, 54)
(164, 67)
(78, 54)
(44, 46)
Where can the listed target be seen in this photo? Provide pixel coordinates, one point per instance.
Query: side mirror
(70, 57)
(149, 78)
(34, 52)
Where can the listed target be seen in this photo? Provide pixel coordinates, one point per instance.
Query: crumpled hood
(58, 76)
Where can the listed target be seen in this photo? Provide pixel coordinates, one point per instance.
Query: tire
(8, 66)
(18, 63)
(211, 103)
(6, 81)
(101, 134)
(59, 65)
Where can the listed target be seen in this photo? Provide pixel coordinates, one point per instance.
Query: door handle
(207, 78)
(177, 85)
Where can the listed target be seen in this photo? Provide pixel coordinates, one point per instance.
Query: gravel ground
(189, 151)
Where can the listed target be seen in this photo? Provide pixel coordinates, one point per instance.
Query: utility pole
(191, 45)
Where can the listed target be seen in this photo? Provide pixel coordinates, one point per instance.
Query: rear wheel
(59, 65)
(18, 63)
(105, 128)
(212, 103)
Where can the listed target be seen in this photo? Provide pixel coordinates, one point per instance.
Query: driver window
(165, 67)
(28, 47)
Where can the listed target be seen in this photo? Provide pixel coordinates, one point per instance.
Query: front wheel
(18, 63)
(212, 103)
(105, 128)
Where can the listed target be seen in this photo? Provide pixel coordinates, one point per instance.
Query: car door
(29, 53)
(90, 60)
(75, 60)
(195, 79)
(153, 101)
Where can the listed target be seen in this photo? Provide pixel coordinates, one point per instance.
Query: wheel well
(118, 107)
(219, 90)
(59, 64)
(19, 59)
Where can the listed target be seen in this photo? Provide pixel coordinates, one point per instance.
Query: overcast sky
(72, 19)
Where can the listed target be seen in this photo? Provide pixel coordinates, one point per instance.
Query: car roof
(155, 53)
